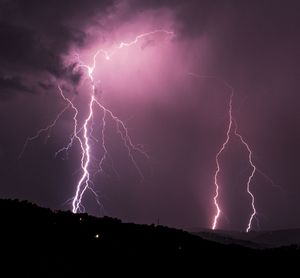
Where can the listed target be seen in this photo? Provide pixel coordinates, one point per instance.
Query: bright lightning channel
(84, 140)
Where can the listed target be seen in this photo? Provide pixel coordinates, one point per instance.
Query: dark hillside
(38, 241)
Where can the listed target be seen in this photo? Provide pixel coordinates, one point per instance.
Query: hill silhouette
(253, 239)
(40, 242)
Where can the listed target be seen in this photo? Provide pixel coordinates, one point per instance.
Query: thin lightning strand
(75, 130)
(123, 131)
(223, 147)
(105, 150)
(108, 55)
(126, 44)
(42, 130)
(249, 178)
(103, 142)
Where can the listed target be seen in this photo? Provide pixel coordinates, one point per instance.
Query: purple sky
(181, 120)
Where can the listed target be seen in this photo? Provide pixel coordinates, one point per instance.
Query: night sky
(180, 119)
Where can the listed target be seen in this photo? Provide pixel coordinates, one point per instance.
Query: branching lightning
(232, 130)
(43, 130)
(84, 134)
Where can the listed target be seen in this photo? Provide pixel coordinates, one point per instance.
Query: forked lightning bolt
(229, 132)
(232, 129)
(83, 134)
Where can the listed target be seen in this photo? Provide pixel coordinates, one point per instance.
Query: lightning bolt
(250, 176)
(223, 147)
(232, 130)
(108, 55)
(75, 133)
(43, 130)
(84, 134)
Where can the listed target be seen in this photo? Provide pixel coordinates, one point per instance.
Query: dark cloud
(36, 34)
(12, 85)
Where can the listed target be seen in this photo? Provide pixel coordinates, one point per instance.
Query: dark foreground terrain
(37, 242)
(253, 239)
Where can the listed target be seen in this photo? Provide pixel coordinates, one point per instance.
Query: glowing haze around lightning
(83, 134)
